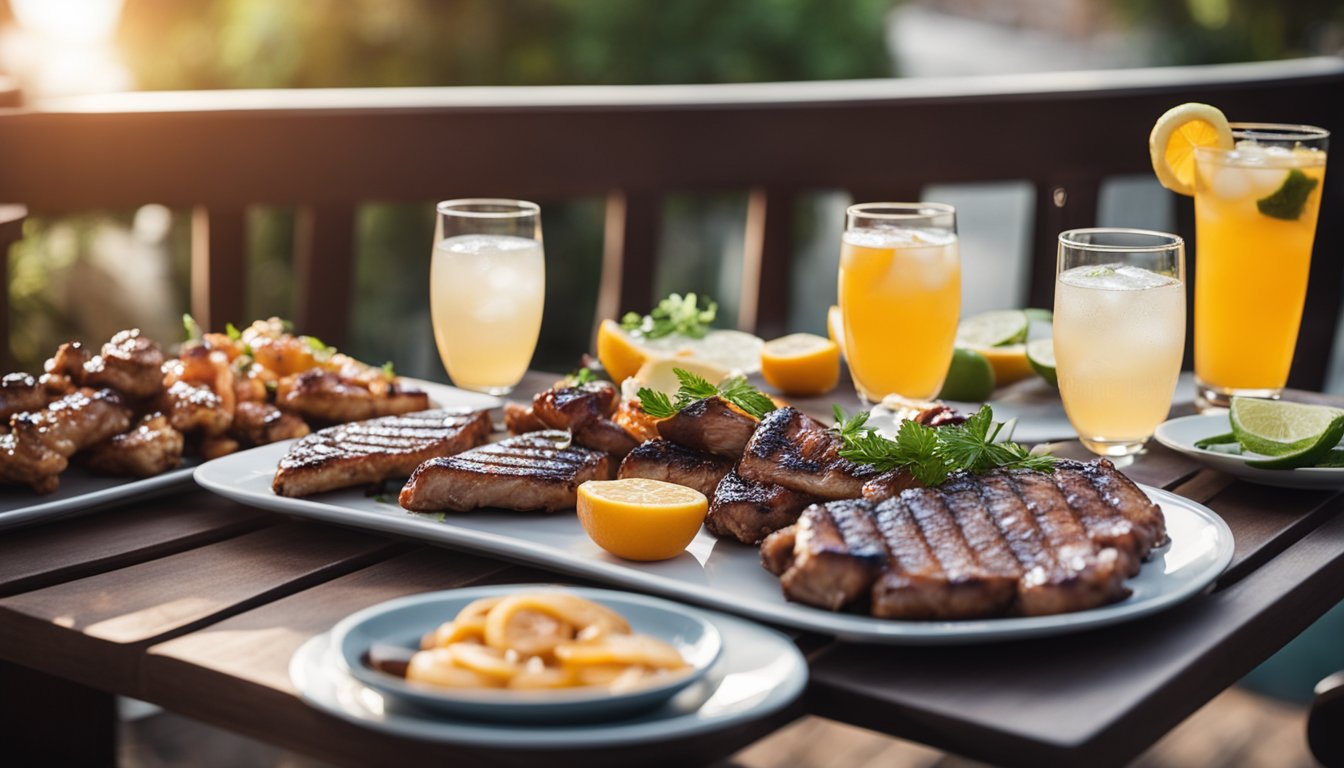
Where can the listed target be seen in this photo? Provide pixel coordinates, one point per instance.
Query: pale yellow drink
(486, 297)
(1119, 335)
(1251, 280)
(900, 297)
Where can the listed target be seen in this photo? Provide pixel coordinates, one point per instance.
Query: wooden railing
(327, 151)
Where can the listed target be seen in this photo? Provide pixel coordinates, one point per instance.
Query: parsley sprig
(676, 314)
(932, 453)
(735, 390)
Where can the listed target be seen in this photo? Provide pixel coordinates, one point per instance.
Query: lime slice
(1288, 201)
(970, 378)
(1309, 456)
(1041, 355)
(993, 329)
(1288, 430)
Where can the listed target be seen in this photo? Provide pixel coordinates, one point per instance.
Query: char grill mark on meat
(748, 511)
(1105, 525)
(369, 452)
(1062, 571)
(934, 573)
(838, 553)
(528, 472)
(585, 410)
(799, 453)
(710, 425)
(669, 462)
(1126, 498)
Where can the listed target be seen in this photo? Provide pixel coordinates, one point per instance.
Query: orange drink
(1256, 207)
(900, 297)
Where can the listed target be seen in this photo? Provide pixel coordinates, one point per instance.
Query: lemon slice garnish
(1176, 135)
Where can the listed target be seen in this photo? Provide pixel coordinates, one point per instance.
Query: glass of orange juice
(1256, 207)
(487, 287)
(900, 297)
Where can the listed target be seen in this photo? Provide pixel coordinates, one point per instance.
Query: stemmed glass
(900, 297)
(1119, 333)
(487, 287)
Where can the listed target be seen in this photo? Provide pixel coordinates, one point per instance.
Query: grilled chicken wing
(326, 396)
(20, 392)
(40, 443)
(129, 363)
(535, 471)
(195, 408)
(585, 410)
(150, 448)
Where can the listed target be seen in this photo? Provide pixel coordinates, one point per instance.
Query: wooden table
(196, 604)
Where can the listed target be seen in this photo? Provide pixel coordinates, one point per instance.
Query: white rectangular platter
(724, 574)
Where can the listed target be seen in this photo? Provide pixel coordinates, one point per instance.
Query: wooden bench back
(328, 151)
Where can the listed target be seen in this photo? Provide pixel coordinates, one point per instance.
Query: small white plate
(82, 491)
(1180, 435)
(401, 623)
(759, 672)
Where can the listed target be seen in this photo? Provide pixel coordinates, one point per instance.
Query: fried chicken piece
(20, 392)
(40, 443)
(151, 448)
(257, 423)
(130, 363)
(326, 396)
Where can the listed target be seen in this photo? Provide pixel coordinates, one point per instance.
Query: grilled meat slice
(150, 448)
(1126, 498)
(889, 485)
(519, 418)
(258, 423)
(20, 392)
(40, 443)
(669, 462)
(748, 512)
(1062, 570)
(1105, 525)
(838, 553)
(368, 452)
(777, 549)
(799, 453)
(528, 472)
(325, 396)
(710, 425)
(605, 435)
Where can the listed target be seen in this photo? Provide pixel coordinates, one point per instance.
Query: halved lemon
(801, 364)
(619, 352)
(1009, 363)
(661, 373)
(1174, 138)
(641, 519)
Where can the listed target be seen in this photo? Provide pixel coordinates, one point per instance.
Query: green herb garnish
(676, 314)
(932, 453)
(735, 390)
(388, 370)
(321, 352)
(580, 376)
(194, 331)
(1289, 200)
(233, 332)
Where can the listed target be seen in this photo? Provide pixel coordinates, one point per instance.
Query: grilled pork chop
(980, 545)
(535, 471)
(669, 462)
(710, 425)
(801, 454)
(368, 452)
(749, 512)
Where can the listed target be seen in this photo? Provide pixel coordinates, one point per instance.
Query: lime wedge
(970, 377)
(993, 329)
(1041, 355)
(1299, 434)
(1288, 201)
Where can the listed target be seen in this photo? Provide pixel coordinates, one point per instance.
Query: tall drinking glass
(1119, 333)
(1255, 219)
(487, 285)
(900, 297)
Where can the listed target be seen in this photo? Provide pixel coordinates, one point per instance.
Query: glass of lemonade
(487, 286)
(1255, 219)
(900, 297)
(1119, 333)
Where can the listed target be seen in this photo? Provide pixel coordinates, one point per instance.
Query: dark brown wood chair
(1325, 721)
(325, 152)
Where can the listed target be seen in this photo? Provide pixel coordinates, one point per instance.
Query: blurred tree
(1215, 31)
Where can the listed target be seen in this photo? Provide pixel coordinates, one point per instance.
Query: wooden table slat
(1093, 698)
(45, 555)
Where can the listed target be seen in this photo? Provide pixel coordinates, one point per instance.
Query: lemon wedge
(641, 519)
(1176, 135)
(801, 364)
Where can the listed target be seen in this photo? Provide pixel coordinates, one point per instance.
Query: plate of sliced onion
(528, 653)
